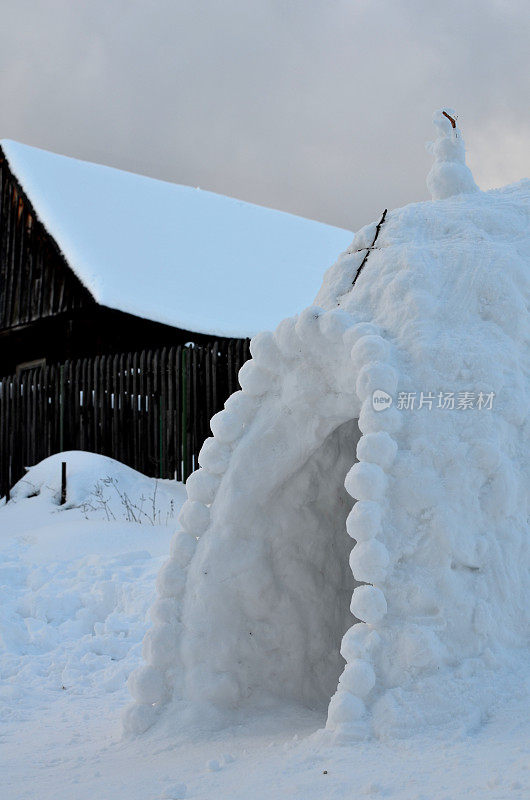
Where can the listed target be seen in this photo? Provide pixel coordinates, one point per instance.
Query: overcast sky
(318, 107)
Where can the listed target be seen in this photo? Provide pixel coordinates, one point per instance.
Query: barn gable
(95, 260)
(175, 255)
(36, 282)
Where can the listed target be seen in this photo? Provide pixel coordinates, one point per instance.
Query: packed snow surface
(309, 491)
(74, 602)
(174, 254)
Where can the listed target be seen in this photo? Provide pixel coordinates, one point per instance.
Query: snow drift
(358, 527)
(76, 583)
(100, 488)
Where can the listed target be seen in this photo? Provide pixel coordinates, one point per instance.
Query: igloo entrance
(279, 580)
(313, 583)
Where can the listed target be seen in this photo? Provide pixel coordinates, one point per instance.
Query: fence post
(161, 438)
(61, 408)
(63, 483)
(184, 421)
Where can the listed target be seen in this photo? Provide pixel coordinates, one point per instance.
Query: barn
(126, 304)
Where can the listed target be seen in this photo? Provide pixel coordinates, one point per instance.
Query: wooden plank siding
(149, 409)
(111, 382)
(45, 311)
(35, 279)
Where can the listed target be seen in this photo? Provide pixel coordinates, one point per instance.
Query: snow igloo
(356, 537)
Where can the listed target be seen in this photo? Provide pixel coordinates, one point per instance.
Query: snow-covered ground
(75, 586)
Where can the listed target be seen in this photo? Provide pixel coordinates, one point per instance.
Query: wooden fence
(150, 410)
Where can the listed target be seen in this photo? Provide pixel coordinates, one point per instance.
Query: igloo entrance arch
(270, 582)
(309, 491)
(282, 597)
(276, 566)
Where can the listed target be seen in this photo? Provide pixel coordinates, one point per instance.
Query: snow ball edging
(227, 426)
(202, 486)
(265, 351)
(364, 521)
(153, 683)
(253, 379)
(367, 483)
(307, 326)
(286, 338)
(368, 349)
(194, 517)
(150, 683)
(334, 324)
(214, 457)
(369, 561)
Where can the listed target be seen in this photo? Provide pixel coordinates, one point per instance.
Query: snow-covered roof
(174, 254)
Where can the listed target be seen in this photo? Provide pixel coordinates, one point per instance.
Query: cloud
(320, 107)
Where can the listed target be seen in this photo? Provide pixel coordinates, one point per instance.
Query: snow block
(182, 548)
(368, 604)
(368, 349)
(165, 610)
(202, 486)
(334, 324)
(366, 481)
(161, 645)
(243, 405)
(356, 332)
(371, 421)
(344, 707)
(147, 685)
(359, 641)
(136, 719)
(358, 678)
(214, 456)
(254, 380)
(226, 426)
(307, 324)
(171, 580)
(287, 339)
(369, 561)
(374, 376)
(265, 351)
(194, 517)
(378, 448)
(364, 520)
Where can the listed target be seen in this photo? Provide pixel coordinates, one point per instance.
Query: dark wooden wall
(45, 311)
(150, 409)
(35, 280)
(90, 331)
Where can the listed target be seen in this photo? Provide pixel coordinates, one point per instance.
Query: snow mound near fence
(99, 487)
(310, 491)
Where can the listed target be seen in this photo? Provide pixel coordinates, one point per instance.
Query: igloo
(355, 538)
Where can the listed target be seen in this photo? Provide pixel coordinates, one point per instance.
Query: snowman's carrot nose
(451, 120)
